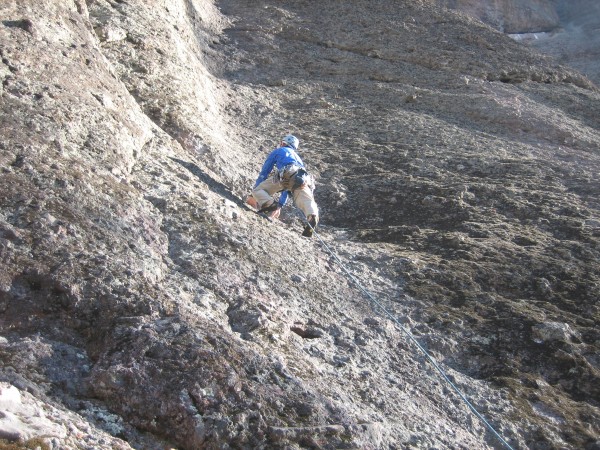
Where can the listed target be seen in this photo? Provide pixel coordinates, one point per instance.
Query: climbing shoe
(268, 209)
(252, 201)
(310, 226)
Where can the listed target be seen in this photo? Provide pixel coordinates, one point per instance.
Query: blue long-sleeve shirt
(279, 158)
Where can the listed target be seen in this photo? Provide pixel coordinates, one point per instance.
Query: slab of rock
(22, 417)
(457, 178)
(551, 332)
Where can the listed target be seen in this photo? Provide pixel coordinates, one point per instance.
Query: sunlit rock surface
(510, 16)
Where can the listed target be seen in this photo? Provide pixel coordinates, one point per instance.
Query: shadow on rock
(216, 186)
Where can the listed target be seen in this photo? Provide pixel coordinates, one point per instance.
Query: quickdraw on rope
(413, 340)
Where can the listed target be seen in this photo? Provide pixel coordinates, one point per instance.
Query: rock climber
(290, 176)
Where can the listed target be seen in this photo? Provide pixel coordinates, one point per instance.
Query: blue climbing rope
(414, 341)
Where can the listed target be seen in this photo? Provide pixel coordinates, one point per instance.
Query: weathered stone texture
(144, 305)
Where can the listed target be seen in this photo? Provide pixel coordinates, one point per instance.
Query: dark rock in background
(565, 29)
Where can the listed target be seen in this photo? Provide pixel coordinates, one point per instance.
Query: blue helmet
(292, 141)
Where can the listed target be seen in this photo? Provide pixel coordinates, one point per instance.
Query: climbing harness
(411, 337)
(293, 177)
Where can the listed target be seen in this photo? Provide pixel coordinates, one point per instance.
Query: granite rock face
(144, 305)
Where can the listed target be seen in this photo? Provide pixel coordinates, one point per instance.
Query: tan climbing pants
(303, 197)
